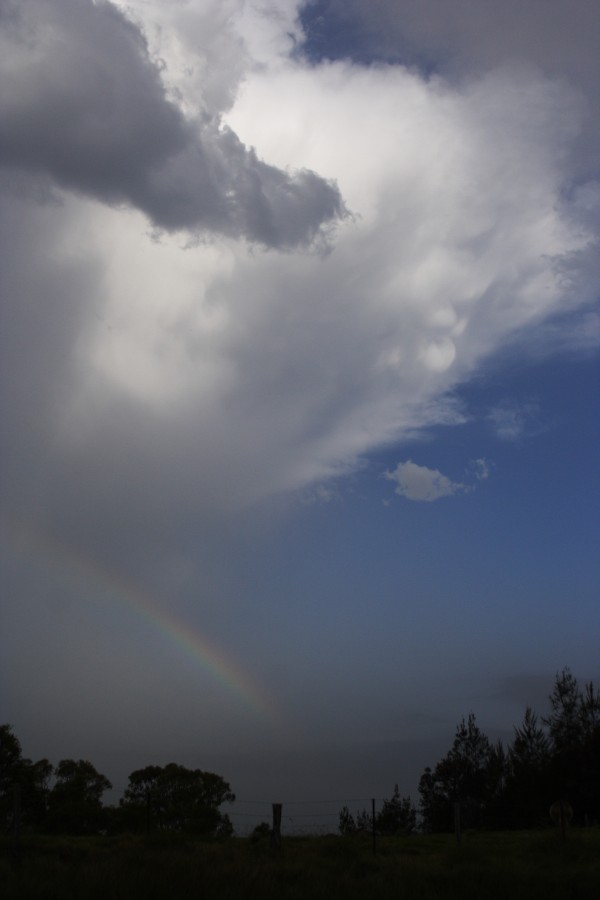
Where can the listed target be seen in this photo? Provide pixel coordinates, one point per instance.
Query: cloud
(169, 385)
(481, 469)
(460, 40)
(84, 104)
(512, 420)
(426, 485)
(422, 484)
(164, 397)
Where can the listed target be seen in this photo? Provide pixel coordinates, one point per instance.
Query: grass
(486, 866)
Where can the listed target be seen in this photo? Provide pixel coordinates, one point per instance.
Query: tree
(364, 821)
(471, 773)
(347, 825)
(590, 754)
(574, 727)
(28, 778)
(528, 793)
(494, 809)
(530, 749)
(75, 801)
(565, 720)
(177, 799)
(397, 816)
(10, 770)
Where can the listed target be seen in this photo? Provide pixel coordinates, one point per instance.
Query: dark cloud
(83, 103)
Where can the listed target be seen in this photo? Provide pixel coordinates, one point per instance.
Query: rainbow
(43, 550)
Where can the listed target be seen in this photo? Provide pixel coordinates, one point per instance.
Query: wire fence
(299, 815)
(308, 815)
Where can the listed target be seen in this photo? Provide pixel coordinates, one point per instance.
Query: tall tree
(470, 774)
(75, 801)
(574, 727)
(590, 757)
(528, 793)
(530, 749)
(565, 721)
(10, 769)
(175, 798)
(29, 779)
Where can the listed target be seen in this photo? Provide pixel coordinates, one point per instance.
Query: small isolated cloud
(422, 484)
(481, 469)
(511, 420)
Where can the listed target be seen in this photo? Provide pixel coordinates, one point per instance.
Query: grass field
(511, 866)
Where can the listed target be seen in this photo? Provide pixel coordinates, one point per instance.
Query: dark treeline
(552, 759)
(555, 758)
(67, 799)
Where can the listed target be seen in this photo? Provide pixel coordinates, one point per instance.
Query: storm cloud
(83, 103)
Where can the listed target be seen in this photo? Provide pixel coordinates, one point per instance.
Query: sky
(299, 345)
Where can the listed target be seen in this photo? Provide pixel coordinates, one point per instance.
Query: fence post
(457, 820)
(276, 832)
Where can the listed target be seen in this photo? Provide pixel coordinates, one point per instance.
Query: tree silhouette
(175, 798)
(28, 778)
(75, 801)
(528, 793)
(397, 816)
(472, 773)
(574, 730)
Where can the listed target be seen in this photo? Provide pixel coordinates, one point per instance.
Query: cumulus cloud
(83, 103)
(426, 485)
(422, 484)
(172, 386)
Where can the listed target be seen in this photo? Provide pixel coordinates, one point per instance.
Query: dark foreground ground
(510, 866)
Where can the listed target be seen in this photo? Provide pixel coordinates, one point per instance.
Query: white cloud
(463, 39)
(203, 377)
(422, 484)
(426, 485)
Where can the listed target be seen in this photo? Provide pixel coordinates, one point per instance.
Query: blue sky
(299, 381)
